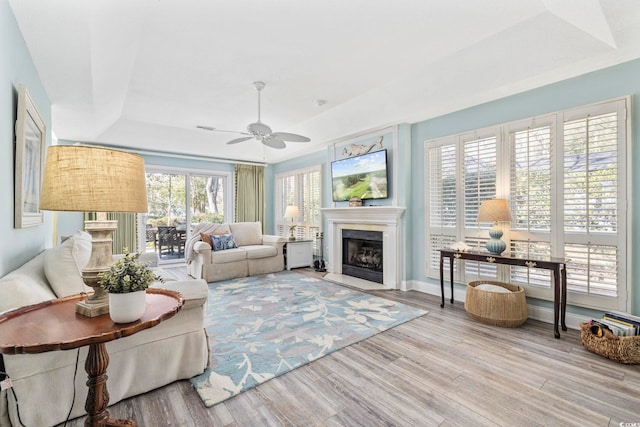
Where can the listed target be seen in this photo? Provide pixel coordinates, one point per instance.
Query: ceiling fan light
(259, 129)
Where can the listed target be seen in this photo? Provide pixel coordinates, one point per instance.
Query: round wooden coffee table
(55, 325)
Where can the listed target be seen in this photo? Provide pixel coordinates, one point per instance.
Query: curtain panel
(249, 203)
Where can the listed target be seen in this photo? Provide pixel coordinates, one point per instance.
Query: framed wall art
(30, 146)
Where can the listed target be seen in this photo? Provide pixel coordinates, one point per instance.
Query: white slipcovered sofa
(175, 349)
(256, 253)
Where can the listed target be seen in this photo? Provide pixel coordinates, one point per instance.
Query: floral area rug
(263, 326)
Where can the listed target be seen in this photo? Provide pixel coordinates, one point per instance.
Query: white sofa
(256, 253)
(43, 383)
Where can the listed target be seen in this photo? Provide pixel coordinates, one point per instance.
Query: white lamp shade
(494, 210)
(292, 212)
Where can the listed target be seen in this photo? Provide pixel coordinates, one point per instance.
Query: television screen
(362, 176)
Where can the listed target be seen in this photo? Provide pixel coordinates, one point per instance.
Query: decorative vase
(128, 307)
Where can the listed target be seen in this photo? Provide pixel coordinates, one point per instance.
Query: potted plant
(126, 282)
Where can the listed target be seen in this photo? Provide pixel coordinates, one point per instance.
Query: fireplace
(362, 254)
(382, 219)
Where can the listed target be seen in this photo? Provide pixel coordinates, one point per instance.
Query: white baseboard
(544, 314)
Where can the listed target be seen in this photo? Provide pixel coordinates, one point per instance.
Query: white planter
(126, 308)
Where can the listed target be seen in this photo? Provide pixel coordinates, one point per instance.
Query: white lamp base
(101, 232)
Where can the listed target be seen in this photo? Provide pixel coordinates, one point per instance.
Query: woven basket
(508, 309)
(620, 349)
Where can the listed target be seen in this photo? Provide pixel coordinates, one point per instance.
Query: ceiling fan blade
(290, 137)
(211, 128)
(274, 142)
(244, 138)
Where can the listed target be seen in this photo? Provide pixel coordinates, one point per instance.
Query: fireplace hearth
(362, 254)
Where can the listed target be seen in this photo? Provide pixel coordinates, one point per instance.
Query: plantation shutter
(285, 196)
(442, 211)
(593, 198)
(309, 197)
(479, 175)
(300, 188)
(565, 176)
(531, 150)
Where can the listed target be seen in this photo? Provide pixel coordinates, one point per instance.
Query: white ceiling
(144, 73)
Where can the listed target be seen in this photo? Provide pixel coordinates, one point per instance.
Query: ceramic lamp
(495, 210)
(93, 179)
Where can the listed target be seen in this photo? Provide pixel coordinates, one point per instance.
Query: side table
(55, 325)
(299, 253)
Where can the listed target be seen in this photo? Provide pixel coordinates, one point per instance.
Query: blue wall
(16, 67)
(613, 82)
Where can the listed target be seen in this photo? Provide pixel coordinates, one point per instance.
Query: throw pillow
(219, 230)
(222, 242)
(63, 265)
(205, 238)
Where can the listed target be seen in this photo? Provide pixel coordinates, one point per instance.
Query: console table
(55, 325)
(556, 265)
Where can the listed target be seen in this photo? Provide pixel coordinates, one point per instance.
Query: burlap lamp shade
(93, 179)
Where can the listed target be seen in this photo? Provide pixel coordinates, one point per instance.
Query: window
(300, 188)
(183, 199)
(565, 177)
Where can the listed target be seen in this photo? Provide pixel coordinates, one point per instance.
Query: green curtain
(249, 203)
(126, 236)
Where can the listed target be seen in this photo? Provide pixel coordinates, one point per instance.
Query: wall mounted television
(363, 176)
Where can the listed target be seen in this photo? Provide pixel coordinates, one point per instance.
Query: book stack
(620, 324)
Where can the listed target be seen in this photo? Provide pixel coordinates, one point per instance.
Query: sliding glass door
(207, 199)
(178, 201)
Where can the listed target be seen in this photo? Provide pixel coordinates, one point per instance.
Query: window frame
(557, 236)
(306, 227)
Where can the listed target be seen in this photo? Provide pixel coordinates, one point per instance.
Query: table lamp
(94, 179)
(495, 210)
(292, 212)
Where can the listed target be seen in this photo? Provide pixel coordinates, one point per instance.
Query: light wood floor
(442, 369)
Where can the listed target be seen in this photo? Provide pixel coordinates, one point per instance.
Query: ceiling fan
(261, 131)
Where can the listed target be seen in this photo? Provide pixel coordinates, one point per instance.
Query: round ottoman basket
(496, 307)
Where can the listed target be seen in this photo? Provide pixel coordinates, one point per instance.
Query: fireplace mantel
(386, 219)
(368, 214)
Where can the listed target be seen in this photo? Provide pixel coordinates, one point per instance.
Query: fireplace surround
(383, 219)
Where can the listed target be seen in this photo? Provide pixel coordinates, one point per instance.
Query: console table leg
(556, 302)
(451, 276)
(442, 279)
(98, 396)
(563, 309)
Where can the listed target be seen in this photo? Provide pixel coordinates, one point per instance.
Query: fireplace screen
(362, 254)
